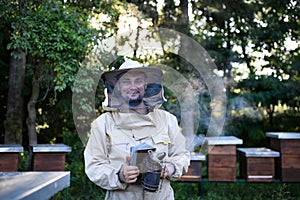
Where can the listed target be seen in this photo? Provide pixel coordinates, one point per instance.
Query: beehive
(287, 166)
(49, 157)
(257, 164)
(222, 158)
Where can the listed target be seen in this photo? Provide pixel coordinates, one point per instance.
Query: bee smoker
(151, 171)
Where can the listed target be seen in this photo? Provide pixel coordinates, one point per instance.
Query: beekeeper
(134, 94)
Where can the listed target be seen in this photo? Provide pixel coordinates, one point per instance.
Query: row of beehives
(281, 160)
(45, 157)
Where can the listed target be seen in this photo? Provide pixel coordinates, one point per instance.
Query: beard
(135, 102)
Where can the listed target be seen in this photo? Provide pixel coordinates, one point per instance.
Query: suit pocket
(161, 142)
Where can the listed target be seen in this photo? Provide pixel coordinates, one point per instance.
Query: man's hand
(168, 170)
(165, 172)
(130, 173)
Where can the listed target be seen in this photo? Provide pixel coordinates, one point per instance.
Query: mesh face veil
(133, 85)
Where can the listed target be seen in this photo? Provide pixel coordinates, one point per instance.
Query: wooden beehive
(9, 157)
(222, 158)
(287, 166)
(194, 173)
(49, 157)
(257, 164)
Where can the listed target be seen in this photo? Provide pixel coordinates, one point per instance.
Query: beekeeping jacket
(114, 133)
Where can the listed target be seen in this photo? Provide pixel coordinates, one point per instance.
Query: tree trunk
(183, 23)
(14, 113)
(31, 119)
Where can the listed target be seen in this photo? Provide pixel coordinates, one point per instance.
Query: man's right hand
(130, 173)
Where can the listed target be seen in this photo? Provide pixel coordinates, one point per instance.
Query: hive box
(222, 157)
(195, 169)
(257, 164)
(49, 157)
(9, 157)
(287, 166)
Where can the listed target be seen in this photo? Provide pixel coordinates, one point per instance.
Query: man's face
(132, 86)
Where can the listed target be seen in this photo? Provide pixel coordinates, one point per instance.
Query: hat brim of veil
(153, 75)
(154, 95)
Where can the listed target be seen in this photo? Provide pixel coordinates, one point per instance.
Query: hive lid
(283, 135)
(197, 156)
(50, 148)
(258, 152)
(10, 148)
(223, 140)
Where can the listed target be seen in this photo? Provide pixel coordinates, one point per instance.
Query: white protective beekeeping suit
(115, 132)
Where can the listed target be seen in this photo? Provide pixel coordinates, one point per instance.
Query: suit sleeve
(97, 163)
(178, 155)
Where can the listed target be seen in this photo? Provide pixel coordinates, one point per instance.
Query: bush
(81, 187)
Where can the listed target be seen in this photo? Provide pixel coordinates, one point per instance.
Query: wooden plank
(9, 162)
(261, 166)
(221, 174)
(257, 169)
(291, 146)
(222, 161)
(290, 175)
(260, 169)
(49, 161)
(287, 167)
(286, 174)
(286, 146)
(222, 150)
(194, 172)
(275, 144)
(290, 161)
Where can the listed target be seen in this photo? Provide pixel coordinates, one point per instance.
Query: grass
(236, 191)
(196, 191)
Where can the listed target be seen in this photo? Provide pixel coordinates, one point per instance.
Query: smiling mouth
(133, 93)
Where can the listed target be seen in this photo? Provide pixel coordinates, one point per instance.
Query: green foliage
(239, 190)
(282, 193)
(262, 27)
(55, 35)
(24, 161)
(250, 131)
(81, 187)
(287, 121)
(185, 191)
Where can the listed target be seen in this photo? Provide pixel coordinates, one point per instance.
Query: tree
(275, 24)
(12, 12)
(55, 38)
(175, 17)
